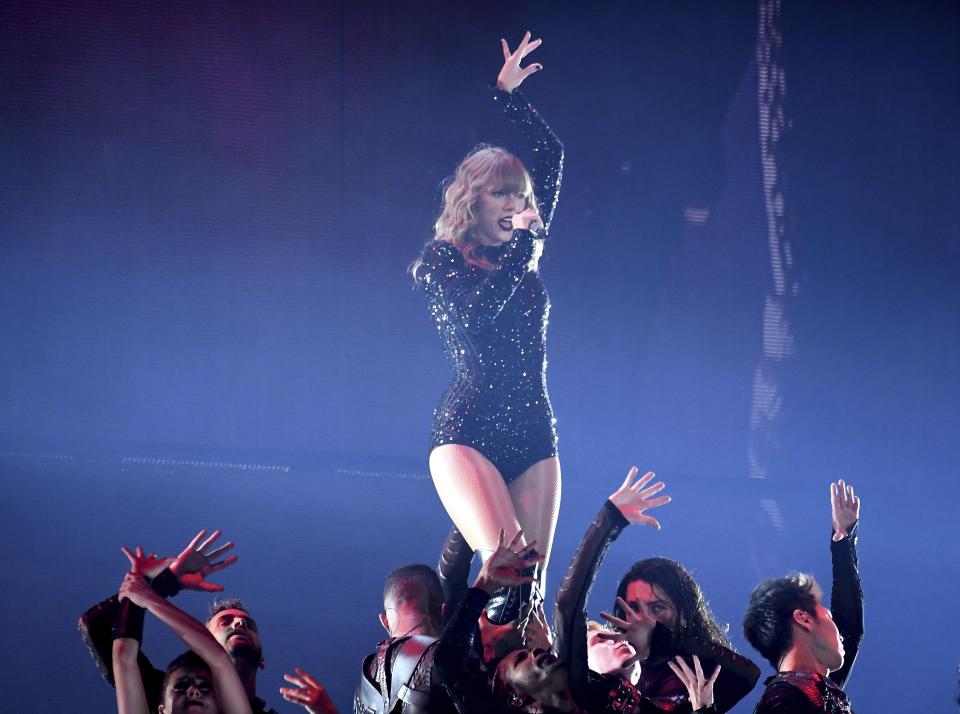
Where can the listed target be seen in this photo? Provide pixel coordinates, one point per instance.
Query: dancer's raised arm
(229, 689)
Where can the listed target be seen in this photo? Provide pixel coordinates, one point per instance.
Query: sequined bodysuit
(493, 324)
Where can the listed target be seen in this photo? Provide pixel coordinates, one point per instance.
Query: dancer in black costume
(812, 648)
(559, 680)
(493, 451)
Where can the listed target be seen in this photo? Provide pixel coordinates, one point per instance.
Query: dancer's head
(530, 680)
(231, 625)
(188, 686)
(412, 597)
(787, 614)
(610, 656)
(489, 187)
(664, 591)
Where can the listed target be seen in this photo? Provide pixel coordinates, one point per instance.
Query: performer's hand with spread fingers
(512, 74)
(147, 565)
(699, 687)
(632, 628)
(199, 559)
(509, 565)
(634, 498)
(308, 693)
(845, 509)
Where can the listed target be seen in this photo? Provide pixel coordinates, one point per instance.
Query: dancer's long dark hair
(682, 589)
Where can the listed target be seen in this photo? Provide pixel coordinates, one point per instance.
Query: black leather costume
(493, 325)
(807, 692)
(398, 678)
(468, 680)
(96, 627)
(658, 687)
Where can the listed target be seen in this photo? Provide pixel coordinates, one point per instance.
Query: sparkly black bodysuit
(493, 325)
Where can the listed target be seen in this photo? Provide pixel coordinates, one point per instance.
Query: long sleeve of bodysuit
(846, 602)
(547, 170)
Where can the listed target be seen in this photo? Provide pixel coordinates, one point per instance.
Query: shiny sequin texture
(493, 325)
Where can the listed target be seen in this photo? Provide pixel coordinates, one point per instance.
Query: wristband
(166, 584)
(128, 622)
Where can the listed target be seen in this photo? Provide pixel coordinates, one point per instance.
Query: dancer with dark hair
(661, 611)
(111, 620)
(812, 648)
(541, 680)
(493, 451)
(204, 678)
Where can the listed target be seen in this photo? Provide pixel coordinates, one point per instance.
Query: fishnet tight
(480, 503)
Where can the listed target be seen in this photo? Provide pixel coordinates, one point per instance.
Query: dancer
(811, 648)
(229, 622)
(662, 612)
(661, 633)
(541, 680)
(204, 677)
(398, 676)
(493, 451)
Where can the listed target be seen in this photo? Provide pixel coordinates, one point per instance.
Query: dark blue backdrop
(206, 213)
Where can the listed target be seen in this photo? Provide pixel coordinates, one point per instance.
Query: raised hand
(512, 74)
(149, 566)
(509, 564)
(844, 507)
(308, 693)
(699, 687)
(633, 498)
(136, 589)
(632, 628)
(197, 561)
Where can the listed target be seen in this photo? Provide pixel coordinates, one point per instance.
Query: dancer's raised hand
(509, 564)
(632, 627)
(633, 498)
(512, 74)
(137, 590)
(308, 693)
(699, 687)
(844, 507)
(199, 559)
(147, 565)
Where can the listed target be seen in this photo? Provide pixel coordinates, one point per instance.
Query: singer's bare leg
(474, 494)
(536, 500)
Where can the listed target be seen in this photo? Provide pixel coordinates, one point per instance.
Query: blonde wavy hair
(483, 167)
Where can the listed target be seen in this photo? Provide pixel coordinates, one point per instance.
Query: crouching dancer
(811, 648)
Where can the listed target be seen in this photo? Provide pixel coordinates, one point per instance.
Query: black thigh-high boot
(454, 569)
(508, 604)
